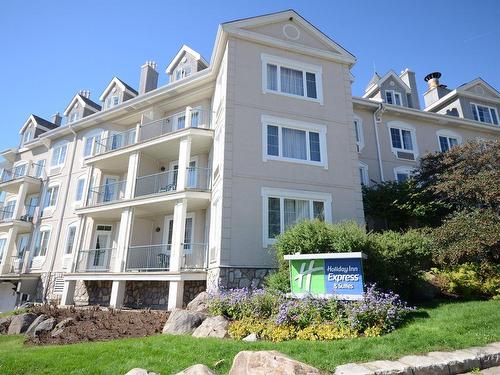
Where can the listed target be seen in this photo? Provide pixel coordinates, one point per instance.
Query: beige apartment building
(156, 194)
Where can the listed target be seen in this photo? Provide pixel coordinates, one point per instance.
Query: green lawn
(441, 327)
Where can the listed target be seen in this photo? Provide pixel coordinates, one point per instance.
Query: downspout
(380, 110)
(61, 216)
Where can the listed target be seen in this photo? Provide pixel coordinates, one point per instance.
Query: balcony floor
(139, 276)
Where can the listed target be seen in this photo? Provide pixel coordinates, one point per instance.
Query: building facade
(156, 194)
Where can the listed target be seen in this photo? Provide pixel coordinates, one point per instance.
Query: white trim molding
(358, 132)
(413, 133)
(403, 169)
(448, 134)
(307, 127)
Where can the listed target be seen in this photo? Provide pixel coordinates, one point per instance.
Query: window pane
(397, 98)
(494, 116)
(294, 143)
(311, 85)
(273, 209)
(295, 211)
(395, 138)
(407, 143)
(39, 168)
(401, 177)
(181, 122)
(195, 118)
(292, 81)
(443, 143)
(88, 146)
(474, 112)
(71, 240)
(79, 189)
(356, 130)
(314, 146)
(453, 142)
(272, 140)
(388, 97)
(319, 210)
(272, 77)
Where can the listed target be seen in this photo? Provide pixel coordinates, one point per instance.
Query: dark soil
(97, 324)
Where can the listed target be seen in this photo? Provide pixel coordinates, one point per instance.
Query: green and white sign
(338, 275)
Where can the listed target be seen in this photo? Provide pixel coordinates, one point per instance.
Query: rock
(64, 323)
(489, 356)
(182, 322)
(46, 325)
(215, 326)
(199, 303)
(388, 368)
(353, 369)
(20, 323)
(459, 361)
(269, 363)
(251, 338)
(424, 365)
(31, 329)
(197, 370)
(140, 371)
(4, 325)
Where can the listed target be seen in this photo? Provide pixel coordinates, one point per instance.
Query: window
(182, 72)
(112, 101)
(19, 170)
(8, 209)
(74, 116)
(292, 78)
(70, 239)
(448, 139)
(39, 168)
(3, 241)
(484, 114)
(393, 97)
(90, 144)
(363, 174)
(80, 185)
(58, 155)
(294, 141)
(283, 209)
(28, 136)
(42, 242)
(402, 174)
(358, 131)
(403, 140)
(51, 197)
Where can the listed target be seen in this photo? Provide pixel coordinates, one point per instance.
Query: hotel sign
(338, 275)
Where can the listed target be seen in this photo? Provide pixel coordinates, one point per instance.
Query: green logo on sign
(308, 276)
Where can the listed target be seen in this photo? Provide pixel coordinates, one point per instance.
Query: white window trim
(57, 145)
(37, 258)
(91, 134)
(51, 209)
(3, 251)
(189, 215)
(71, 225)
(299, 125)
(403, 126)
(6, 204)
(489, 108)
(365, 179)
(84, 178)
(291, 194)
(17, 164)
(361, 143)
(297, 65)
(448, 134)
(394, 93)
(403, 169)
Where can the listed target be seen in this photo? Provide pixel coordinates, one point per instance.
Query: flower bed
(278, 318)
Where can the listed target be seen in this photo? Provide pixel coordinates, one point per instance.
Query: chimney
(149, 77)
(436, 90)
(56, 119)
(408, 77)
(85, 93)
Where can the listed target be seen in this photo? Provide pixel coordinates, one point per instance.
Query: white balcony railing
(95, 260)
(29, 169)
(107, 193)
(194, 256)
(148, 258)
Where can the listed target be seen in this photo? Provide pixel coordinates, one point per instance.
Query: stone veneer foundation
(142, 294)
(192, 289)
(236, 277)
(92, 292)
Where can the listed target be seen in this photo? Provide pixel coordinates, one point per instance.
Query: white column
(133, 166)
(124, 233)
(117, 294)
(175, 295)
(68, 294)
(21, 198)
(188, 117)
(184, 158)
(9, 246)
(179, 227)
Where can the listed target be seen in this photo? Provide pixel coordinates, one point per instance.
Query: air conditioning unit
(405, 155)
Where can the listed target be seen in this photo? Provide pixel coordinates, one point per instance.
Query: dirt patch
(97, 324)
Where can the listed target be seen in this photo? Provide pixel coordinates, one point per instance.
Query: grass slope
(445, 326)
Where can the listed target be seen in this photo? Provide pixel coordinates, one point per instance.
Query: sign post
(338, 275)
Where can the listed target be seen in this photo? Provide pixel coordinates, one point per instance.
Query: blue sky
(52, 49)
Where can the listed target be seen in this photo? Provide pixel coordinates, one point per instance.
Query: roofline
(184, 48)
(368, 103)
(455, 93)
(371, 89)
(118, 81)
(71, 104)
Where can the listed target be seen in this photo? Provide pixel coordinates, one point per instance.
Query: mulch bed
(97, 324)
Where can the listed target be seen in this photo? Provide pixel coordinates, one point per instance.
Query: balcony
(23, 222)
(16, 264)
(31, 173)
(95, 260)
(107, 193)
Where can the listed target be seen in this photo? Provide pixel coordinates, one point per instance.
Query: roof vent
(432, 79)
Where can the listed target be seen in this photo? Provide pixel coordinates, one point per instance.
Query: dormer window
(393, 97)
(112, 101)
(182, 72)
(28, 136)
(485, 114)
(74, 116)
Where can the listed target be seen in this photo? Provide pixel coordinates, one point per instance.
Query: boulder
(182, 322)
(31, 329)
(20, 323)
(269, 363)
(251, 338)
(199, 303)
(424, 365)
(59, 328)
(197, 370)
(140, 371)
(215, 326)
(4, 325)
(46, 325)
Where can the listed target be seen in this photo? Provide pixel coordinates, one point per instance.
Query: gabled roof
(375, 78)
(237, 28)
(390, 74)
(481, 82)
(39, 122)
(117, 81)
(86, 102)
(184, 49)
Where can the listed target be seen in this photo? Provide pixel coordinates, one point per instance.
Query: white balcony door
(22, 246)
(99, 256)
(32, 205)
(191, 174)
(188, 232)
(110, 189)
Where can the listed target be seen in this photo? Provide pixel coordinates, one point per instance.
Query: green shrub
(243, 303)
